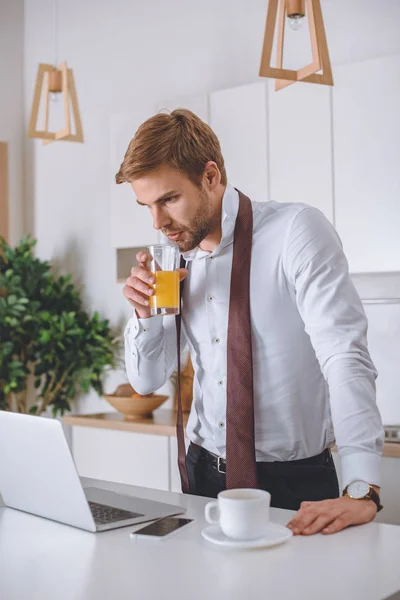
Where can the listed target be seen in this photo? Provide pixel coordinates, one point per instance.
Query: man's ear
(212, 175)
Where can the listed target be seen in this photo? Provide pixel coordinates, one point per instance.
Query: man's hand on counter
(331, 516)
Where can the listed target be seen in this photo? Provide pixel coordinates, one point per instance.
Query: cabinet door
(366, 112)
(239, 118)
(175, 478)
(301, 146)
(131, 224)
(122, 456)
(384, 347)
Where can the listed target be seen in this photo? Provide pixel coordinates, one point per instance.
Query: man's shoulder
(283, 213)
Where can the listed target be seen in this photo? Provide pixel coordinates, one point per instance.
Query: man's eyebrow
(161, 198)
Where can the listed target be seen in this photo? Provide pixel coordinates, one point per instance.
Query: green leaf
(45, 337)
(74, 331)
(19, 308)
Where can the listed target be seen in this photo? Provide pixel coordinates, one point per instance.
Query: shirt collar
(230, 207)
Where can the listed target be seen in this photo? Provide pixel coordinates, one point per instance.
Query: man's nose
(160, 219)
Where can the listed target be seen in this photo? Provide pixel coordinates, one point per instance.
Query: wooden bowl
(136, 406)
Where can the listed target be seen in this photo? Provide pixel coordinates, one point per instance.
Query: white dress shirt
(314, 381)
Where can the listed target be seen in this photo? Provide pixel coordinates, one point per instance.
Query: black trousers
(289, 483)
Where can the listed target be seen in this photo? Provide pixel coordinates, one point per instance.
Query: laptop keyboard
(103, 514)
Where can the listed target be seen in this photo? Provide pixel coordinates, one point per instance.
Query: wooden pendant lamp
(320, 55)
(57, 81)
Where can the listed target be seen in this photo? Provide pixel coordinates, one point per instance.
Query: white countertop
(41, 560)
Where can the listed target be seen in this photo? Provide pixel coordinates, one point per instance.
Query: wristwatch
(360, 490)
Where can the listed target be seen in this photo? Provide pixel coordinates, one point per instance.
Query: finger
(143, 275)
(140, 286)
(141, 312)
(143, 257)
(132, 303)
(135, 296)
(183, 273)
(304, 509)
(338, 524)
(320, 523)
(303, 519)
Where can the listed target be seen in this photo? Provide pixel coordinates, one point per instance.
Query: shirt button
(144, 329)
(217, 341)
(221, 424)
(210, 298)
(220, 382)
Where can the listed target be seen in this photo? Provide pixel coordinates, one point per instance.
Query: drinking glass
(164, 265)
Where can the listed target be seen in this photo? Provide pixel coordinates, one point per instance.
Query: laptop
(38, 476)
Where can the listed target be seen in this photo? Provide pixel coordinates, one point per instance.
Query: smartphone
(161, 529)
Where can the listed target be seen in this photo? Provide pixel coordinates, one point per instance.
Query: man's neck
(213, 239)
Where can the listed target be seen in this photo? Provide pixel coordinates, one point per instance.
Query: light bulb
(296, 21)
(54, 96)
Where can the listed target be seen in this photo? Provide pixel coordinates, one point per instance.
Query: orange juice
(167, 291)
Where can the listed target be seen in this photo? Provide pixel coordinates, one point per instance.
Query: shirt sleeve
(151, 351)
(335, 320)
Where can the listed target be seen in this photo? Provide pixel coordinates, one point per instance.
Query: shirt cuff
(151, 327)
(361, 466)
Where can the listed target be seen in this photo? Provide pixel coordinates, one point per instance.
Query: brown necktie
(241, 468)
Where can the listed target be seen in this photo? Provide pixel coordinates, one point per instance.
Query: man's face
(178, 207)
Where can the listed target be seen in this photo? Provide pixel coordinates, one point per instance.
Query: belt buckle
(219, 463)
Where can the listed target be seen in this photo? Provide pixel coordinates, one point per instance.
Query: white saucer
(276, 534)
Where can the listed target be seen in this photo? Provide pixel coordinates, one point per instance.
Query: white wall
(11, 106)
(126, 58)
(356, 30)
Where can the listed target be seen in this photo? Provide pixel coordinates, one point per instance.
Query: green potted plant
(47, 338)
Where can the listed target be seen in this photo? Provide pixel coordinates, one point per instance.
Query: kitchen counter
(163, 422)
(43, 560)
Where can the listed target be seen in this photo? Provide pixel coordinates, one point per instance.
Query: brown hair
(180, 139)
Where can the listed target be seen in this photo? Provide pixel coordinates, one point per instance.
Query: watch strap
(374, 496)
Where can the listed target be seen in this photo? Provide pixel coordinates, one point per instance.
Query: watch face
(358, 489)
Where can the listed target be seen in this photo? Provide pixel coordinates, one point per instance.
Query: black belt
(219, 463)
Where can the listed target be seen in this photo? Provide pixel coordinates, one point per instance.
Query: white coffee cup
(242, 514)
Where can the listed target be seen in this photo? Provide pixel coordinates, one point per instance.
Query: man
(311, 370)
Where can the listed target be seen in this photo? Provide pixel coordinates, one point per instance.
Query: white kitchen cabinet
(131, 224)
(366, 117)
(122, 456)
(239, 118)
(300, 146)
(384, 347)
(175, 478)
